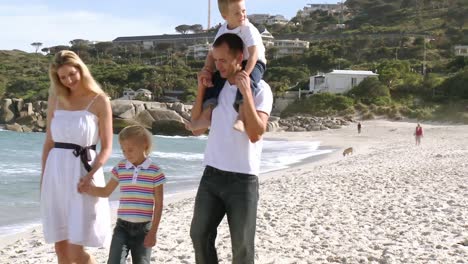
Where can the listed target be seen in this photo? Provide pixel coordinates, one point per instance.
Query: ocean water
(179, 157)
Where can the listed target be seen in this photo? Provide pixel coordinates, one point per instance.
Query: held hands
(150, 239)
(85, 183)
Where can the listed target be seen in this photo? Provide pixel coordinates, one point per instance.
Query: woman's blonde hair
(138, 133)
(68, 57)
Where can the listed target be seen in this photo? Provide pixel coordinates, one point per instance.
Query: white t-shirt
(249, 35)
(228, 149)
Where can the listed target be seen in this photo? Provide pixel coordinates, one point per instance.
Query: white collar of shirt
(144, 165)
(236, 30)
(136, 169)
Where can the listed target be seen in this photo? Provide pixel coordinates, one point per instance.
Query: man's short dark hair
(233, 41)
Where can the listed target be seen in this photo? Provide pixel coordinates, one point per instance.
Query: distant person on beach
(359, 127)
(78, 116)
(418, 134)
(141, 198)
(254, 63)
(229, 185)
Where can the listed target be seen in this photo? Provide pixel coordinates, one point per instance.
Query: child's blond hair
(223, 5)
(139, 133)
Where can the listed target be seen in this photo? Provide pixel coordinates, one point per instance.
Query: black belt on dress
(78, 151)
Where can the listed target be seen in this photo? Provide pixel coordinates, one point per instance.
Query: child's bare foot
(239, 125)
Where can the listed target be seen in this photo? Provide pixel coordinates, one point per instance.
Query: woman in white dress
(78, 116)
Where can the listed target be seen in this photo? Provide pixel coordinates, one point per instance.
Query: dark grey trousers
(127, 237)
(225, 193)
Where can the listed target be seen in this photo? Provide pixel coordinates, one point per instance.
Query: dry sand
(389, 202)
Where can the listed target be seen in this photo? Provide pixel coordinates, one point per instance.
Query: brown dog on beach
(347, 151)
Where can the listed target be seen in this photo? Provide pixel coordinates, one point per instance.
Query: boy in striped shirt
(141, 198)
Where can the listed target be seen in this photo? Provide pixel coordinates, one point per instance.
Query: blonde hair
(223, 5)
(138, 133)
(68, 57)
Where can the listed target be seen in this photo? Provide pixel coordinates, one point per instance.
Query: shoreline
(172, 198)
(389, 202)
(36, 227)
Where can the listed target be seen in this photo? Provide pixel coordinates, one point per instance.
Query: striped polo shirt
(137, 185)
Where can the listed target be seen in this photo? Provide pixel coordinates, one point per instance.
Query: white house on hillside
(267, 39)
(330, 8)
(199, 51)
(461, 50)
(130, 94)
(288, 47)
(337, 81)
(266, 19)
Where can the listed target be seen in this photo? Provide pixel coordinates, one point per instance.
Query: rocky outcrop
(273, 124)
(23, 117)
(170, 128)
(161, 118)
(307, 123)
(6, 111)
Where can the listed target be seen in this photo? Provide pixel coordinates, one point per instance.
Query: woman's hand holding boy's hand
(85, 184)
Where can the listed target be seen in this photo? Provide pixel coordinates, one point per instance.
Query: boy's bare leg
(203, 122)
(239, 123)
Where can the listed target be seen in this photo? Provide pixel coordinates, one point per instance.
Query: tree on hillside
(81, 47)
(23, 87)
(391, 72)
(55, 49)
(370, 90)
(82, 42)
(36, 45)
(457, 14)
(183, 29)
(456, 85)
(3, 83)
(197, 28)
(408, 3)
(102, 48)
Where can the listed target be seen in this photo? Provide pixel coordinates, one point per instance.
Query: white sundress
(66, 214)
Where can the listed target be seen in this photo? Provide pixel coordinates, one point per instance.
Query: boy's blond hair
(223, 5)
(139, 133)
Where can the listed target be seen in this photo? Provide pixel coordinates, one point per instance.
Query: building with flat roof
(199, 51)
(289, 47)
(267, 19)
(177, 40)
(461, 50)
(338, 81)
(330, 8)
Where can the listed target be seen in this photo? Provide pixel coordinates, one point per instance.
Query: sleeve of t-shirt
(264, 98)
(115, 173)
(219, 33)
(159, 178)
(251, 36)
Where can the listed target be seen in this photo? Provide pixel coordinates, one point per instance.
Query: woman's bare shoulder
(101, 103)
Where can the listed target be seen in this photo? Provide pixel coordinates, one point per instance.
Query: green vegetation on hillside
(398, 39)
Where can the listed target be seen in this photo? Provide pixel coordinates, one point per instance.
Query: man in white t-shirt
(229, 185)
(254, 62)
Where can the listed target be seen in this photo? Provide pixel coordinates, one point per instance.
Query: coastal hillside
(409, 43)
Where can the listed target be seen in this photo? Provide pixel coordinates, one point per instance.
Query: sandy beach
(389, 202)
